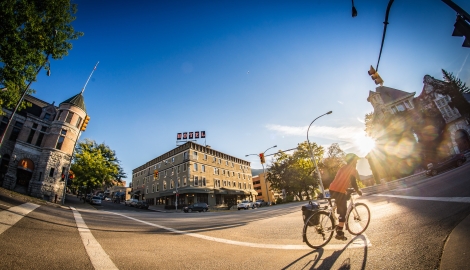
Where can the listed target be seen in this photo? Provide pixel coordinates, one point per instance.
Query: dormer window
(47, 116)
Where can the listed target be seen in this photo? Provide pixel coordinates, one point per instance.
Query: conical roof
(76, 100)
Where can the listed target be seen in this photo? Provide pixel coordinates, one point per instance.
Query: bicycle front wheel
(358, 219)
(318, 229)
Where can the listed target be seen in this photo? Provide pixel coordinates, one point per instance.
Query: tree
(95, 165)
(31, 31)
(295, 173)
(455, 89)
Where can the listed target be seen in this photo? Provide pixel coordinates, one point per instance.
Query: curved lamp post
(264, 174)
(313, 157)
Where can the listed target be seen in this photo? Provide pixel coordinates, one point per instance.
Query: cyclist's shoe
(340, 236)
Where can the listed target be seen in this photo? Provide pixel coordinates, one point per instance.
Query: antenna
(83, 89)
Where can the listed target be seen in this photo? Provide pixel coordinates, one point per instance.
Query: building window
(31, 135)
(178, 182)
(69, 117)
(225, 183)
(51, 172)
(203, 181)
(244, 185)
(184, 167)
(184, 181)
(146, 191)
(172, 184)
(205, 156)
(203, 168)
(195, 167)
(226, 162)
(41, 136)
(214, 159)
(47, 116)
(164, 185)
(196, 181)
(16, 131)
(234, 184)
(240, 185)
(238, 175)
(58, 115)
(407, 104)
(61, 139)
(229, 184)
(158, 187)
(220, 161)
(195, 155)
(79, 121)
(185, 155)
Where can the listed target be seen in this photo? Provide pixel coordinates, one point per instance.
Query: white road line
(440, 199)
(96, 253)
(9, 217)
(354, 244)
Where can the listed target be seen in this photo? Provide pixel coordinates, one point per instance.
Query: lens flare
(364, 143)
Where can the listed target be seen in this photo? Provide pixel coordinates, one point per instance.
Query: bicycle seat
(350, 191)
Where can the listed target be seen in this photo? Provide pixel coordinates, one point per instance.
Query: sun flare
(364, 143)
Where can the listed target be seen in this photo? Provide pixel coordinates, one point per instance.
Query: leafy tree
(295, 173)
(31, 31)
(95, 165)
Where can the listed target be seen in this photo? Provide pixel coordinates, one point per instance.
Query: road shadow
(315, 260)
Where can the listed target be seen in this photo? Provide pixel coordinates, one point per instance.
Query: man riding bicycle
(345, 177)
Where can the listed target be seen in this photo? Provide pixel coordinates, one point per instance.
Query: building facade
(37, 147)
(387, 101)
(192, 173)
(259, 184)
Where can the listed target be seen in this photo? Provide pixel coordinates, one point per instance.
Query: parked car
(245, 205)
(95, 200)
(141, 205)
(259, 203)
(130, 201)
(200, 207)
(108, 199)
(88, 197)
(448, 163)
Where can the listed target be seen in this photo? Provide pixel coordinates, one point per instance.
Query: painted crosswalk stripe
(9, 217)
(439, 199)
(96, 253)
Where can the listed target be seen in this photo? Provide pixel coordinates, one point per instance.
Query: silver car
(96, 200)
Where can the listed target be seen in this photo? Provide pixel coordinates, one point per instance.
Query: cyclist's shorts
(341, 204)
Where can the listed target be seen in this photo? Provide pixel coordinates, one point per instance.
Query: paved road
(409, 229)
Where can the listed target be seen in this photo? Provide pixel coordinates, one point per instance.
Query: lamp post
(264, 174)
(313, 157)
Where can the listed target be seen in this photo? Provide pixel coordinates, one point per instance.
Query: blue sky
(252, 74)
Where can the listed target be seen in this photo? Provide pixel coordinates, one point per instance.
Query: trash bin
(308, 210)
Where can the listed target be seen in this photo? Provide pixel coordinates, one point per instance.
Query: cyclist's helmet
(350, 157)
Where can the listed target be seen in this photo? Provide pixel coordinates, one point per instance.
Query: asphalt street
(412, 227)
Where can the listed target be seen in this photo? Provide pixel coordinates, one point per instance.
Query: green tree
(295, 173)
(95, 165)
(30, 31)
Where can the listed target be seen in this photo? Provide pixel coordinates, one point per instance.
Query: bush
(289, 198)
(279, 200)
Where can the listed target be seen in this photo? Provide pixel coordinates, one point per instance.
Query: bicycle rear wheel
(320, 233)
(358, 219)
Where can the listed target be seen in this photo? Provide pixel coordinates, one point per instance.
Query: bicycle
(320, 226)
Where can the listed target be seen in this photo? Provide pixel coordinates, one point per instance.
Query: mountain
(256, 172)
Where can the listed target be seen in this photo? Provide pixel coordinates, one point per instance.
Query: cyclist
(345, 177)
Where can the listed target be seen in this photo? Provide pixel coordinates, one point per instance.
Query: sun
(364, 144)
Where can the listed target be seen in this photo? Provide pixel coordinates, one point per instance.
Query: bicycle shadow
(330, 262)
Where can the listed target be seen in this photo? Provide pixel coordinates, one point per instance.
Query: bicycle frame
(332, 208)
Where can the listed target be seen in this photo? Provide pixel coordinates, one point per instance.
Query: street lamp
(313, 157)
(264, 174)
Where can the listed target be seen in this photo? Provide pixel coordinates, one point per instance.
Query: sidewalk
(456, 249)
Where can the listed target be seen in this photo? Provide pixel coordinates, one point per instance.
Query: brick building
(193, 173)
(37, 148)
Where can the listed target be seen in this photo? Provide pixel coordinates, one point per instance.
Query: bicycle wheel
(320, 233)
(358, 219)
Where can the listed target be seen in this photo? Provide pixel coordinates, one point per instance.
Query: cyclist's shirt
(344, 177)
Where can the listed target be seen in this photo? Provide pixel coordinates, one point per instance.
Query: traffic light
(85, 123)
(375, 76)
(462, 28)
(261, 157)
(155, 174)
(71, 175)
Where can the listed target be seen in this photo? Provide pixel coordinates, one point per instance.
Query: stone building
(389, 101)
(37, 148)
(193, 173)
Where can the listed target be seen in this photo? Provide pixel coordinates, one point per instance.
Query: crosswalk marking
(96, 253)
(440, 199)
(12, 215)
